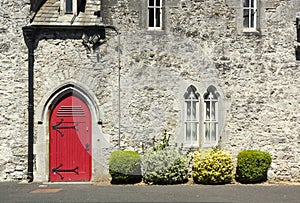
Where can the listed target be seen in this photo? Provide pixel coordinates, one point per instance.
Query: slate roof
(50, 14)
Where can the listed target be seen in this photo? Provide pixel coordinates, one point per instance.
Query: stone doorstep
(46, 190)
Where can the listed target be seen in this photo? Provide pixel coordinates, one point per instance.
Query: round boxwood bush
(252, 166)
(165, 166)
(212, 166)
(125, 167)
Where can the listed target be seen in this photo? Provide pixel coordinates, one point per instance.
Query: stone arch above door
(42, 114)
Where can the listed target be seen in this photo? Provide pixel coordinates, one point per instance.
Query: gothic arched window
(211, 116)
(191, 118)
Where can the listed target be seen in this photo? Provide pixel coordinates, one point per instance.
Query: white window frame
(210, 98)
(250, 8)
(63, 7)
(155, 20)
(188, 99)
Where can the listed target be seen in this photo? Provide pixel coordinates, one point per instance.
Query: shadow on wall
(106, 10)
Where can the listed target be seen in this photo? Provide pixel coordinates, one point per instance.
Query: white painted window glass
(211, 118)
(191, 120)
(154, 13)
(250, 13)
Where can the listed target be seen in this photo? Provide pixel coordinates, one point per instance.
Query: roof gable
(51, 13)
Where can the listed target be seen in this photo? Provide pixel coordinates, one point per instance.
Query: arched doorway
(70, 142)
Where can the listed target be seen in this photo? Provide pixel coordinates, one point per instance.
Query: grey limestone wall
(13, 90)
(202, 44)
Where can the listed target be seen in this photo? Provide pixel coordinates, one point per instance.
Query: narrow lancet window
(211, 116)
(191, 120)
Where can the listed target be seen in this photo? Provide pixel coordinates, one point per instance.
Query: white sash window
(250, 14)
(69, 6)
(154, 14)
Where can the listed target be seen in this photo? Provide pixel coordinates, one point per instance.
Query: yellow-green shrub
(212, 166)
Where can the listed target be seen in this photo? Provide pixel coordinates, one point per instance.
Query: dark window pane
(252, 17)
(246, 3)
(298, 53)
(298, 29)
(157, 17)
(151, 2)
(69, 6)
(246, 18)
(157, 2)
(151, 17)
(252, 4)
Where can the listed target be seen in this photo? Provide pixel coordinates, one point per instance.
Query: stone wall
(257, 72)
(202, 44)
(13, 90)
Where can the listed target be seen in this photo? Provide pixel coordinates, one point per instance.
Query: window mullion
(210, 117)
(191, 117)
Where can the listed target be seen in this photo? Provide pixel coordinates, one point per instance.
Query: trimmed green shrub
(164, 166)
(252, 166)
(125, 167)
(212, 166)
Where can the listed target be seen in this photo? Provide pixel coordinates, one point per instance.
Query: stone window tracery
(203, 118)
(211, 116)
(191, 120)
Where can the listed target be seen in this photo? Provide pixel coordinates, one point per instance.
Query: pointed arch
(211, 116)
(43, 113)
(191, 116)
(68, 87)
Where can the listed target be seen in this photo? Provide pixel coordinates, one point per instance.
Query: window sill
(251, 31)
(193, 147)
(156, 31)
(210, 145)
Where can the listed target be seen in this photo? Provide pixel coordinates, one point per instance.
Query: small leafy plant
(125, 167)
(252, 166)
(163, 165)
(212, 166)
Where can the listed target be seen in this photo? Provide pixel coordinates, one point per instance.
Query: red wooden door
(70, 141)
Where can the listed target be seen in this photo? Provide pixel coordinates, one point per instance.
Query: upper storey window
(250, 14)
(155, 14)
(69, 6)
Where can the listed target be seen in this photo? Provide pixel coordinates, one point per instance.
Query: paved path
(37, 192)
